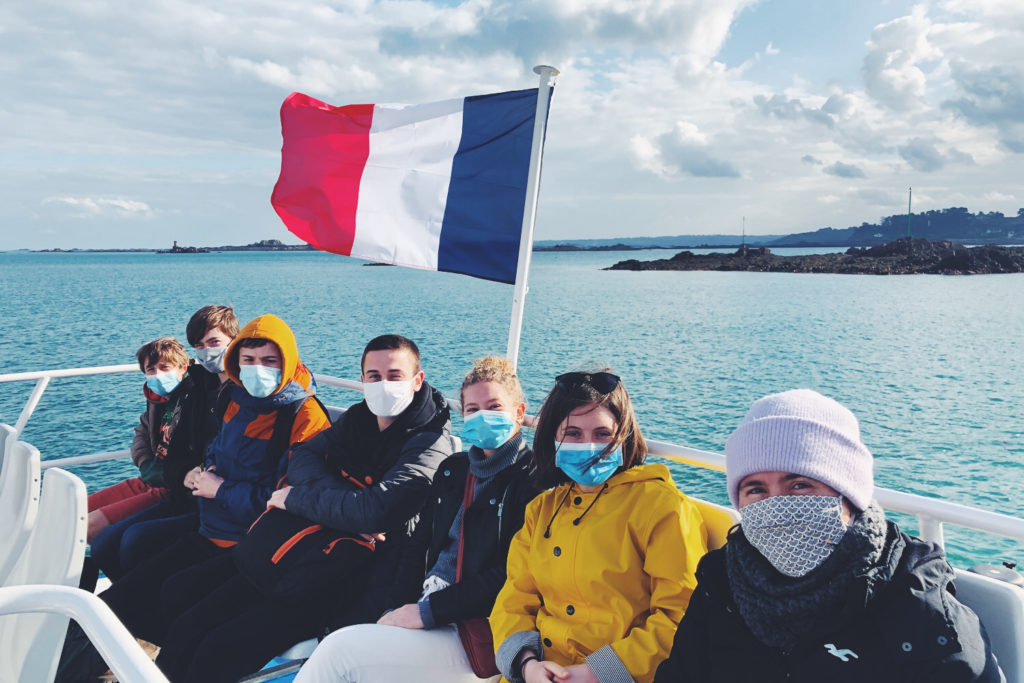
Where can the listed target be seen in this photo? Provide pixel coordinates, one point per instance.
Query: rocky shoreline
(904, 256)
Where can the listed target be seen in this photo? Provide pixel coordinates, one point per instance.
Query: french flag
(439, 186)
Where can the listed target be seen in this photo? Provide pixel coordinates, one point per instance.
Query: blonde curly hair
(494, 369)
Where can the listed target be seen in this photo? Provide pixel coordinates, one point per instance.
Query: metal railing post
(930, 529)
(30, 405)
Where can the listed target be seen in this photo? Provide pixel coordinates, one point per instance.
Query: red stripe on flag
(322, 159)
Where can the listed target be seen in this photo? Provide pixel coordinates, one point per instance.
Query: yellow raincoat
(622, 576)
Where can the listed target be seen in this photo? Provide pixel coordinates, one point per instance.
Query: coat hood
(271, 327)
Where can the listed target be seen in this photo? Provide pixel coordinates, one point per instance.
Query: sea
(930, 364)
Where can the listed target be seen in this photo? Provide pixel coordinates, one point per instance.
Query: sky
(132, 124)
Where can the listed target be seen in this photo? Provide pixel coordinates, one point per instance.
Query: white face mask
(388, 399)
(212, 358)
(795, 533)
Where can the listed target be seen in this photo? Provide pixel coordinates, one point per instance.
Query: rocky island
(904, 256)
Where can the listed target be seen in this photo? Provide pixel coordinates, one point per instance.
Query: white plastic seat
(1000, 606)
(19, 500)
(30, 644)
(718, 519)
(7, 433)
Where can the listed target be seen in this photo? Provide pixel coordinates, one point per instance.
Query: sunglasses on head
(601, 382)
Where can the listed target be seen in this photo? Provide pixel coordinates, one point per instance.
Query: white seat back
(7, 433)
(1000, 606)
(19, 501)
(30, 644)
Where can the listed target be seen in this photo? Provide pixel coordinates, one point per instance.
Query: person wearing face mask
(271, 409)
(815, 584)
(196, 420)
(603, 567)
(454, 564)
(169, 393)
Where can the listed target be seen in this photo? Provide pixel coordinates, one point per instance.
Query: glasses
(601, 382)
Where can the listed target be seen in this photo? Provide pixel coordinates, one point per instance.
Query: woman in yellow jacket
(603, 568)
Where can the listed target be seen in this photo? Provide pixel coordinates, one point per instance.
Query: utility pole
(910, 194)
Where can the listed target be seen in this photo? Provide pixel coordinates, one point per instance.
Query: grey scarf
(780, 610)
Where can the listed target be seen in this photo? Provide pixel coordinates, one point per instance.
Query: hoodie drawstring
(575, 522)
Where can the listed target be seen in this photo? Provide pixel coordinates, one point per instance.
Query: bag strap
(467, 498)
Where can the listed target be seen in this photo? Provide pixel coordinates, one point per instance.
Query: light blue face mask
(488, 429)
(582, 462)
(259, 380)
(163, 383)
(212, 358)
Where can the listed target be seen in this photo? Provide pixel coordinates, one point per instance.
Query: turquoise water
(930, 364)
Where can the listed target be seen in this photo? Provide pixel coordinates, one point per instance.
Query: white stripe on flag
(404, 187)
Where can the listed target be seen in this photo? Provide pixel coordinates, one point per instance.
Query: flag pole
(547, 79)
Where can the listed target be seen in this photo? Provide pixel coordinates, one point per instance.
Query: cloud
(990, 95)
(891, 71)
(808, 159)
(999, 197)
(684, 150)
(781, 107)
(924, 155)
(841, 170)
(88, 207)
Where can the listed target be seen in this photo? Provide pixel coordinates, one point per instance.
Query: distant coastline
(954, 224)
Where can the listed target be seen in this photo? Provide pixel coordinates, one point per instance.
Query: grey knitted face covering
(794, 533)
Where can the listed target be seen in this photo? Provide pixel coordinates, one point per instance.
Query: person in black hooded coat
(814, 584)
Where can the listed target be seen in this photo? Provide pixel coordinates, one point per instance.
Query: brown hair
(210, 318)
(388, 342)
(494, 369)
(163, 349)
(557, 406)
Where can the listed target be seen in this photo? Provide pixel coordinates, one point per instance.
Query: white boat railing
(115, 644)
(931, 513)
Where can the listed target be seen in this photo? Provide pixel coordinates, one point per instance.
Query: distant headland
(905, 256)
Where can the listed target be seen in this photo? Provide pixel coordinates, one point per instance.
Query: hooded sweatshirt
(241, 450)
(601, 577)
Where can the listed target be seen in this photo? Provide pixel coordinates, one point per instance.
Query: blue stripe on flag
(483, 218)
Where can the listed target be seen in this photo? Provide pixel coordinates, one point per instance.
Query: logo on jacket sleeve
(843, 654)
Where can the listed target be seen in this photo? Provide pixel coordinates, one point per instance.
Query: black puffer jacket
(494, 517)
(356, 478)
(911, 629)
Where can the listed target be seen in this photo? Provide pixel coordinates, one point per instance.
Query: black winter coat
(911, 629)
(494, 517)
(356, 478)
(396, 467)
(193, 427)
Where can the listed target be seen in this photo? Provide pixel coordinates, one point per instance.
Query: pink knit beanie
(803, 432)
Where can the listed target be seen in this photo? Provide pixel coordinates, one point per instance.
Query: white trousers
(371, 653)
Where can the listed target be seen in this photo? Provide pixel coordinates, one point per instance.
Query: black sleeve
(385, 506)
(474, 596)
(307, 462)
(410, 568)
(688, 660)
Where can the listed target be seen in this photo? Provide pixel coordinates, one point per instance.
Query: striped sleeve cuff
(607, 666)
(509, 651)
